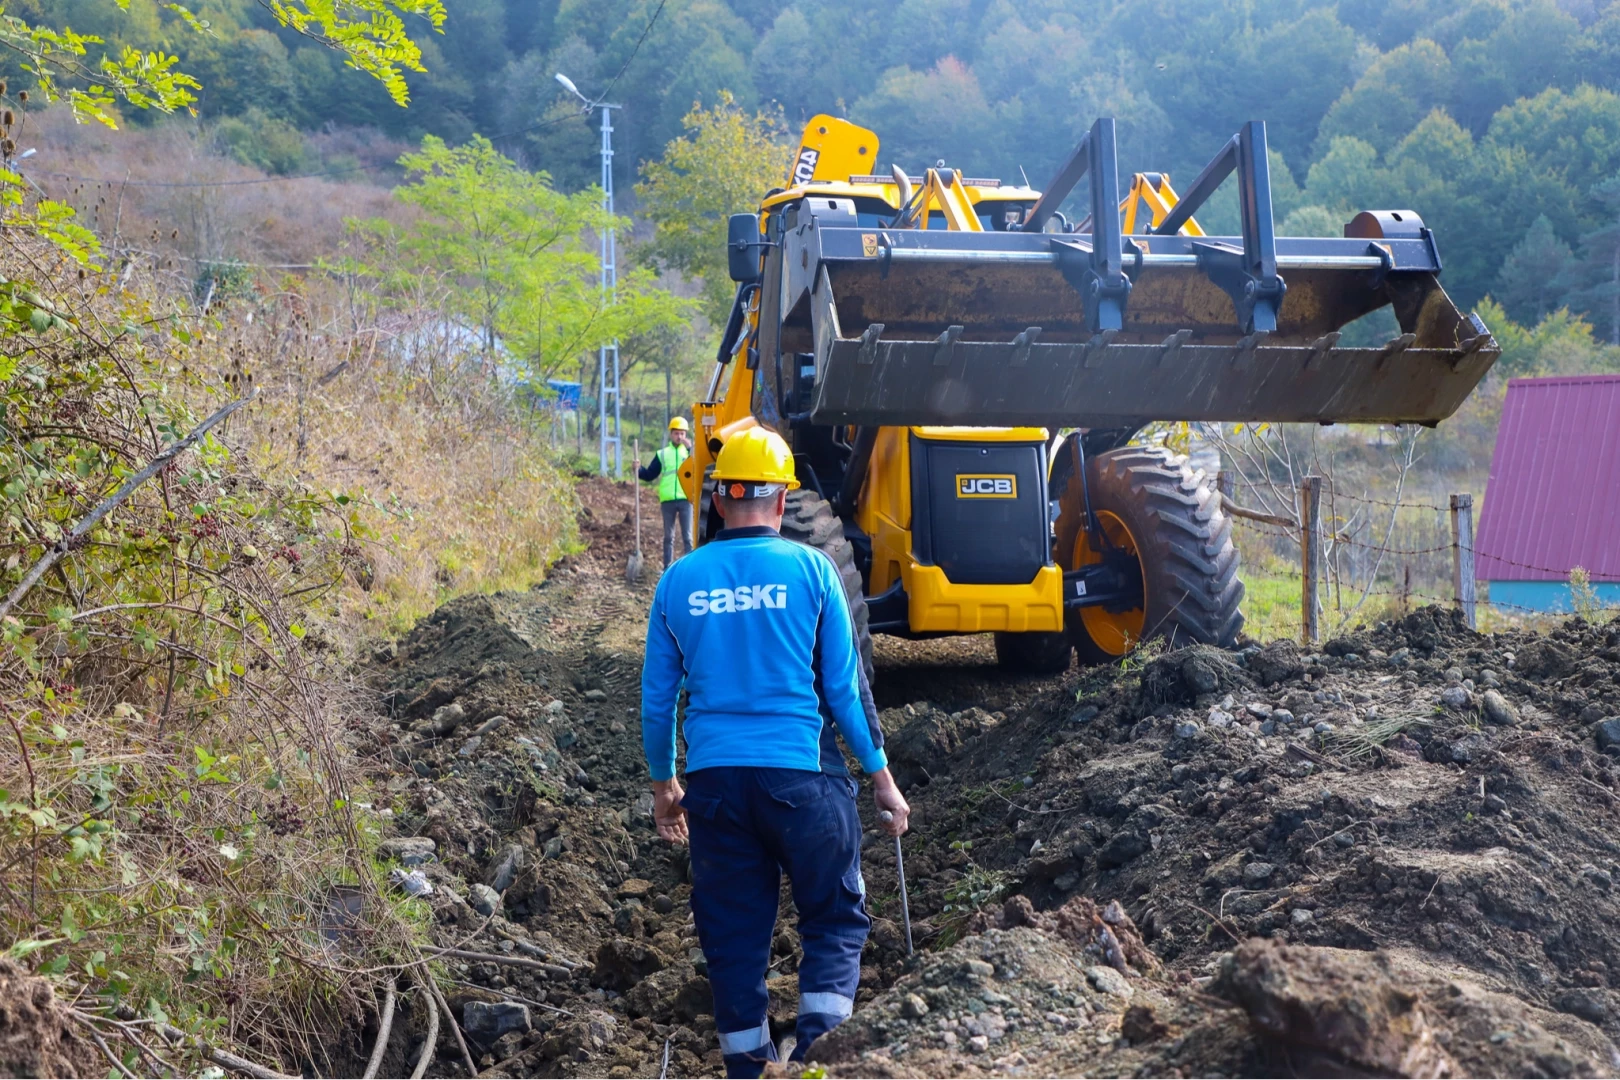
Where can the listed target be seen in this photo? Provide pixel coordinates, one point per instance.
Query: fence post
(1310, 556)
(1462, 555)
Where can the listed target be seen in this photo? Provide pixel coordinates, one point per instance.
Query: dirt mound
(37, 1038)
(1417, 814)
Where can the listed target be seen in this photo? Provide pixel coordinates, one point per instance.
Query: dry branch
(113, 501)
(432, 1039)
(385, 1028)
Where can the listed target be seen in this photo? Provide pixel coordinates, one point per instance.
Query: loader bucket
(1099, 329)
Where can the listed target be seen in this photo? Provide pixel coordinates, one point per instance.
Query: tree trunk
(669, 393)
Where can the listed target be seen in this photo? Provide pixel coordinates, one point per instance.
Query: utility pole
(607, 357)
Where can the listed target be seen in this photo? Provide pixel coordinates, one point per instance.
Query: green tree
(1392, 95)
(518, 257)
(1598, 273)
(723, 165)
(1532, 278)
(369, 34)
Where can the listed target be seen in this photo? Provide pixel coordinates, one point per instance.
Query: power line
(586, 111)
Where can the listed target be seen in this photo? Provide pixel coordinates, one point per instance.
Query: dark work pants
(747, 826)
(677, 519)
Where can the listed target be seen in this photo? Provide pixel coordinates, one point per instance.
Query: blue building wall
(1547, 596)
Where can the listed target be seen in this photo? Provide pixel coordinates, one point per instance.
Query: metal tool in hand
(900, 872)
(632, 569)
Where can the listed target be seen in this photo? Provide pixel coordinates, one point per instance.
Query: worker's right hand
(668, 813)
(886, 793)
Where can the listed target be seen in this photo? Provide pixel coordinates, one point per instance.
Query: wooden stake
(1310, 557)
(1462, 555)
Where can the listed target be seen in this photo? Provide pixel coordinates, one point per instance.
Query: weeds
(977, 889)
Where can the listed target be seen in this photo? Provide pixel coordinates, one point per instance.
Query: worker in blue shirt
(758, 631)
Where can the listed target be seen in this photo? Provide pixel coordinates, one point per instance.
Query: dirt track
(1393, 857)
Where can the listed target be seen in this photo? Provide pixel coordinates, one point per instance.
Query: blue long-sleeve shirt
(758, 630)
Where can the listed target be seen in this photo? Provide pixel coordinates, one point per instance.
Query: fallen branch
(432, 1041)
(449, 1017)
(499, 958)
(224, 1059)
(1256, 515)
(101, 1044)
(113, 501)
(384, 1029)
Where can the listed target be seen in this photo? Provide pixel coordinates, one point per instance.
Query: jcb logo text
(996, 486)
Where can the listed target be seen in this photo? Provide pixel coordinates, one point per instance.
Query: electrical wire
(590, 106)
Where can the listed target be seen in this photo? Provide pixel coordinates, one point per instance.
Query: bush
(263, 141)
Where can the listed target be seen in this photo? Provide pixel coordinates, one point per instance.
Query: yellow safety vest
(669, 479)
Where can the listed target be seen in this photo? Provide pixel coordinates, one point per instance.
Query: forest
(1497, 120)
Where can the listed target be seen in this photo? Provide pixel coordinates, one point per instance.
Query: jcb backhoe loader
(918, 340)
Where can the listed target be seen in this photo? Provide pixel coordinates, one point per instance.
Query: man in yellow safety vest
(665, 468)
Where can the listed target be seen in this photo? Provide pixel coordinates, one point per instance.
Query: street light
(610, 284)
(568, 85)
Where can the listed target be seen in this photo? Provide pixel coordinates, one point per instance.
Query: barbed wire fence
(1355, 557)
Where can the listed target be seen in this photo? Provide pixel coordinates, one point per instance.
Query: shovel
(632, 569)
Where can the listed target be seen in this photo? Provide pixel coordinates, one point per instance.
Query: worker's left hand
(668, 814)
(886, 793)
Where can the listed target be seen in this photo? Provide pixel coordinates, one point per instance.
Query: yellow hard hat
(758, 456)
(678, 424)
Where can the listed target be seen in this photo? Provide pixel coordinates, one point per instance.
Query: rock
(469, 747)
(1141, 1024)
(553, 847)
(1108, 981)
(1347, 1004)
(484, 900)
(505, 867)
(1258, 710)
(487, 1021)
(596, 695)
(621, 963)
(1467, 748)
(1220, 718)
(1607, 732)
(1257, 874)
(1495, 803)
(978, 969)
(978, 1044)
(555, 708)
(1125, 845)
(663, 904)
(1454, 675)
(1281, 716)
(1499, 710)
(489, 725)
(1277, 662)
(913, 1007)
(916, 743)
(1586, 1004)
(636, 888)
(1455, 697)
(1085, 714)
(1268, 727)
(1188, 729)
(446, 718)
(1322, 727)
(1302, 916)
(408, 850)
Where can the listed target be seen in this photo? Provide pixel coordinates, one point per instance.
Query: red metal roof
(1553, 501)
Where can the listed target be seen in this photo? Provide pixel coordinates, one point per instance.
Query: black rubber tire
(1041, 652)
(1183, 537)
(810, 520)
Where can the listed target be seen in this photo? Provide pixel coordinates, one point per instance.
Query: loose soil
(1392, 856)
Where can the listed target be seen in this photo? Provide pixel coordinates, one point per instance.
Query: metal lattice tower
(610, 285)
